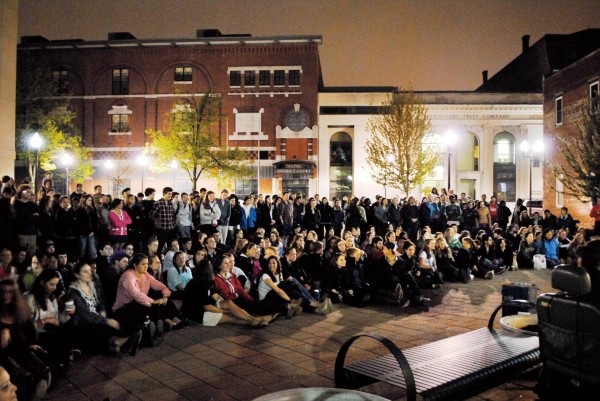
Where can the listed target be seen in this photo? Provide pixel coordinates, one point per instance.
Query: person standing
(164, 217)
(223, 222)
(26, 218)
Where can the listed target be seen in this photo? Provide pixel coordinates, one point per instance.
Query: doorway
(467, 186)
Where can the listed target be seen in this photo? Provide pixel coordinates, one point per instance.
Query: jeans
(184, 231)
(223, 230)
(87, 247)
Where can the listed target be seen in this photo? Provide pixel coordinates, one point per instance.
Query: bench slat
(447, 360)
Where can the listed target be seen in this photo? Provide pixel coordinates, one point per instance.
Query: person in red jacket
(119, 220)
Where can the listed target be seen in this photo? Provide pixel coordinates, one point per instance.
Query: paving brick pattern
(238, 363)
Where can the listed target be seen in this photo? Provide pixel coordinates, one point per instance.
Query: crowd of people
(96, 274)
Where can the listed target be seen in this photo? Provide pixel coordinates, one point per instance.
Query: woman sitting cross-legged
(50, 318)
(133, 305)
(178, 276)
(229, 287)
(203, 304)
(96, 332)
(273, 288)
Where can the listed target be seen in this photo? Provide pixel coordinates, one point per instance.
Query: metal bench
(454, 368)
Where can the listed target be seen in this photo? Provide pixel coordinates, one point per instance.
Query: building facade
(123, 86)
(567, 93)
(485, 159)
(8, 78)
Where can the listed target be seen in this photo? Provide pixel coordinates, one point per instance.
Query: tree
(189, 138)
(41, 109)
(395, 151)
(580, 171)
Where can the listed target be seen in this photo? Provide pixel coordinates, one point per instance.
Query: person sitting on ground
(550, 248)
(466, 260)
(229, 287)
(178, 276)
(203, 304)
(526, 251)
(273, 288)
(18, 346)
(96, 332)
(445, 262)
(428, 275)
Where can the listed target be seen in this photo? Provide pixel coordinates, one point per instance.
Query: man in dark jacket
(26, 218)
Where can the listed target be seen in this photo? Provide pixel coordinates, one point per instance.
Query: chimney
(485, 75)
(525, 40)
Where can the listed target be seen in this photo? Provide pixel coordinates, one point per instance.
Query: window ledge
(119, 133)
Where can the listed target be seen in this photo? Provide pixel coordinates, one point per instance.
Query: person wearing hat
(589, 258)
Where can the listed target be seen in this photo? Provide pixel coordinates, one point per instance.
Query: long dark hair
(18, 308)
(37, 289)
(136, 259)
(205, 201)
(267, 271)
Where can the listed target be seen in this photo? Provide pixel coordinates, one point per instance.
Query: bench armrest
(513, 302)
(341, 380)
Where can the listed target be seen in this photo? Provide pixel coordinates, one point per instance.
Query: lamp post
(449, 141)
(108, 165)
(174, 166)
(142, 160)
(538, 148)
(35, 143)
(66, 160)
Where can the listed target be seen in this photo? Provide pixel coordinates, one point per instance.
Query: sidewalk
(237, 363)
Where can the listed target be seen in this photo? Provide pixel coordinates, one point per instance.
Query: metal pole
(67, 182)
(449, 156)
(258, 169)
(35, 168)
(530, 182)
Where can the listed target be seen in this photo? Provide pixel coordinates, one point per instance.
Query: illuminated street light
(538, 148)
(35, 143)
(66, 159)
(449, 140)
(143, 161)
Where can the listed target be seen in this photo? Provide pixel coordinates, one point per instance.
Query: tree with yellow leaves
(396, 151)
(190, 138)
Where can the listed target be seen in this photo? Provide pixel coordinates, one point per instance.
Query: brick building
(566, 92)
(123, 86)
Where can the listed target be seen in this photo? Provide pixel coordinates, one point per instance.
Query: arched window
(505, 172)
(340, 165)
(466, 152)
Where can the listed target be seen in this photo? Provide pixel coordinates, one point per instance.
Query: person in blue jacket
(550, 247)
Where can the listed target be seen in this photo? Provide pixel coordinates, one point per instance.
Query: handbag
(539, 262)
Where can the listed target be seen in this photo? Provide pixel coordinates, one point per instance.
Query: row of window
(264, 78)
(183, 74)
(594, 99)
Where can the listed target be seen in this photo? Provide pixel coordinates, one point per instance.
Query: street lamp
(108, 165)
(142, 160)
(174, 166)
(538, 148)
(66, 160)
(449, 141)
(35, 143)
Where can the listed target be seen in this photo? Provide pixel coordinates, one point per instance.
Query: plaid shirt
(286, 210)
(164, 211)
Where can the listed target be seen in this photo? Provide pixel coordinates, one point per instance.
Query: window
(183, 74)
(60, 82)
(279, 77)
(235, 78)
(249, 78)
(119, 123)
(294, 77)
(264, 78)
(340, 166)
(594, 98)
(559, 192)
(120, 81)
(559, 110)
(119, 120)
(297, 120)
(263, 155)
(246, 187)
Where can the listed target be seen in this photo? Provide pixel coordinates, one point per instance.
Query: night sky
(433, 45)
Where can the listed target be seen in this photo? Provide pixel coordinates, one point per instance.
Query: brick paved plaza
(237, 363)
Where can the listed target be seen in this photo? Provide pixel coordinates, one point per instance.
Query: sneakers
(501, 270)
(292, 310)
(131, 345)
(489, 275)
(421, 300)
(472, 277)
(327, 307)
(398, 293)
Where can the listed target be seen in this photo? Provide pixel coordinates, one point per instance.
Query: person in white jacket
(210, 213)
